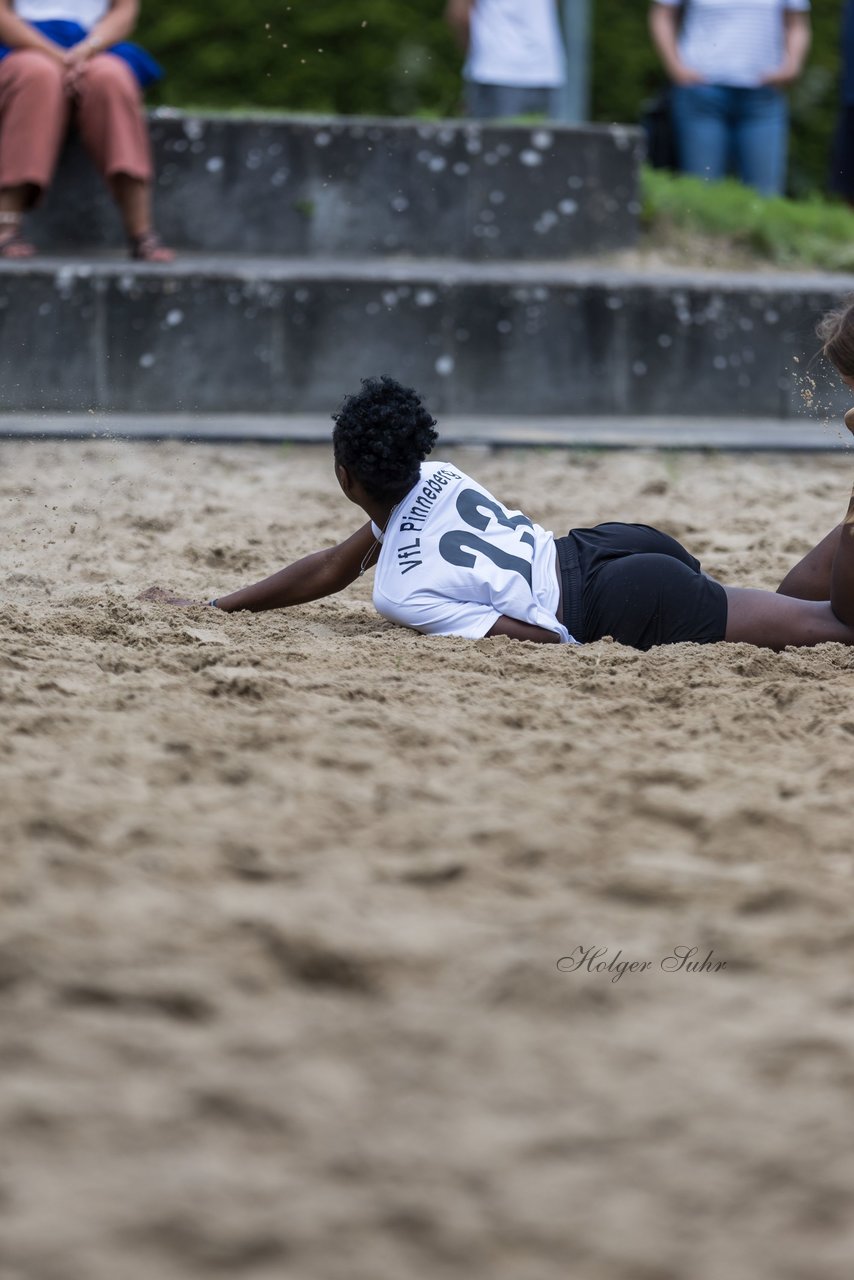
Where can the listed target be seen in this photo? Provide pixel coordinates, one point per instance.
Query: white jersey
(734, 42)
(516, 42)
(86, 12)
(453, 561)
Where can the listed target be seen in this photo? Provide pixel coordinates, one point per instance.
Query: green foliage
(370, 57)
(812, 232)
(396, 57)
(815, 100)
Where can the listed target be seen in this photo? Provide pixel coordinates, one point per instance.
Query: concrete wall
(295, 336)
(350, 188)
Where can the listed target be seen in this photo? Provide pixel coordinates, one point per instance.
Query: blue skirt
(67, 34)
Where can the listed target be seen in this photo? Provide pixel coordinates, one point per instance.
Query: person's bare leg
(15, 199)
(133, 196)
(842, 572)
(774, 621)
(134, 200)
(792, 614)
(813, 604)
(810, 578)
(34, 111)
(13, 202)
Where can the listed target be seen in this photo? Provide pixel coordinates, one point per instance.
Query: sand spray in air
(823, 411)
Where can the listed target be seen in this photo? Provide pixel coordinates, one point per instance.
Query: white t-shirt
(732, 43)
(86, 12)
(453, 560)
(516, 42)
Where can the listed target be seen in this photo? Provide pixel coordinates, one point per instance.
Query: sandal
(12, 243)
(150, 248)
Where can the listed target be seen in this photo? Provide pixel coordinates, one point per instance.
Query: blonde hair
(836, 334)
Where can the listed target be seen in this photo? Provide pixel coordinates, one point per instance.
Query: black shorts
(638, 585)
(842, 155)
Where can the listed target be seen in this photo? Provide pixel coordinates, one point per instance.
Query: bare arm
(664, 30)
(117, 24)
(458, 18)
(323, 574)
(312, 578)
(17, 34)
(798, 38)
(523, 631)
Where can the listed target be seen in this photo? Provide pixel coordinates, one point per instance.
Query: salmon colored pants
(36, 109)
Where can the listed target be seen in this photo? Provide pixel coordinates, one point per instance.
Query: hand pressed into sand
(161, 596)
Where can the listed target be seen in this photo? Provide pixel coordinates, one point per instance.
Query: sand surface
(282, 898)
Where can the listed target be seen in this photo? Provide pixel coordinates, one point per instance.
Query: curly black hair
(382, 435)
(836, 334)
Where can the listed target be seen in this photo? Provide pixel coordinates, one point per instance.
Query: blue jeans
(503, 101)
(722, 130)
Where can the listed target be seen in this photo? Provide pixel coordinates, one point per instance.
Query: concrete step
(212, 335)
(313, 187)
(736, 434)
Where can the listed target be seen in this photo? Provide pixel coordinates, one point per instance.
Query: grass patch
(788, 233)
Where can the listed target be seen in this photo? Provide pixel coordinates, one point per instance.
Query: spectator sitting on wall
(66, 59)
(515, 62)
(729, 64)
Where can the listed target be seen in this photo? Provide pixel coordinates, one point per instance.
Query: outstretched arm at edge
(315, 576)
(323, 574)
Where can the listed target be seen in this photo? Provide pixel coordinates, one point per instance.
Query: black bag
(656, 119)
(657, 123)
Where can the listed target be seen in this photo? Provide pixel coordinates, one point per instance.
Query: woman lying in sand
(451, 560)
